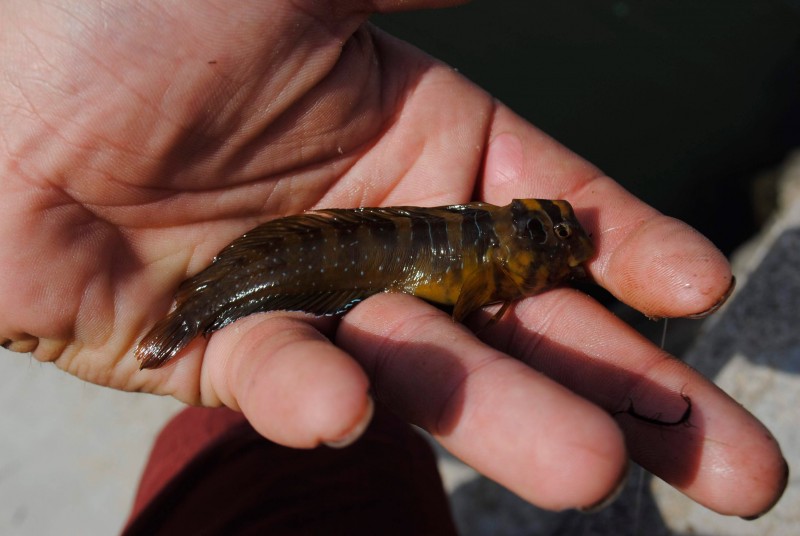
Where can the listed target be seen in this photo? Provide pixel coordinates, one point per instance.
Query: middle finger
(506, 420)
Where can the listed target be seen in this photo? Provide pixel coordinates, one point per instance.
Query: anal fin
(320, 303)
(315, 303)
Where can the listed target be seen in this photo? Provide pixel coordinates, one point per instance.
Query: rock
(752, 351)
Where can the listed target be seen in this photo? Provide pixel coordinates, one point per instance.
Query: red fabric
(211, 473)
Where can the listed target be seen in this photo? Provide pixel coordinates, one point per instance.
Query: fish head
(550, 245)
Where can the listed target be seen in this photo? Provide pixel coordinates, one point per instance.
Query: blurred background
(684, 102)
(690, 104)
(693, 106)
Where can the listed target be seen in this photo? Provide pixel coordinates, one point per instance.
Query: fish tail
(168, 337)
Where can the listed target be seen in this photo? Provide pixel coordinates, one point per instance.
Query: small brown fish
(323, 262)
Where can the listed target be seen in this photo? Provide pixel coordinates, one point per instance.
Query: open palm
(140, 138)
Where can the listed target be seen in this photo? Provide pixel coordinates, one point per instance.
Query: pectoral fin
(476, 292)
(480, 289)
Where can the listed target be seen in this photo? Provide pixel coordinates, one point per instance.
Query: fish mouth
(577, 262)
(581, 252)
(578, 272)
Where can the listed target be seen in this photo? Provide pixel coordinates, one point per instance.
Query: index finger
(654, 263)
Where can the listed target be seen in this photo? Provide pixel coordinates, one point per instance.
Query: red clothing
(211, 473)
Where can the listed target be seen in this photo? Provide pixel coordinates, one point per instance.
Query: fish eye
(563, 230)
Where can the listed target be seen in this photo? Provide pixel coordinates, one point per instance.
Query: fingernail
(611, 497)
(717, 305)
(22, 346)
(777, 498)
(355, 432)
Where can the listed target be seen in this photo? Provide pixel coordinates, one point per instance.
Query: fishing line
(637, 506)
(664, 334)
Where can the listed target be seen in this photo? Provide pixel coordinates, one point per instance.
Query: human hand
(138, 139)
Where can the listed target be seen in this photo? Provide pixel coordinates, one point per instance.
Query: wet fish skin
(324, 262)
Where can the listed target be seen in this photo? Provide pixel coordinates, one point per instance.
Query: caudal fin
(168, 337)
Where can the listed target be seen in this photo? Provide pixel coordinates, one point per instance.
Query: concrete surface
(752, 350)
(70, 452)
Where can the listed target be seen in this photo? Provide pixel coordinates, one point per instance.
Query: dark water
(682, 101)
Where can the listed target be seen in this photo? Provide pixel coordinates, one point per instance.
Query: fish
(323, 262)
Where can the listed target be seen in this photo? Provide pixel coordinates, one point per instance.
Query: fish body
(324, 262)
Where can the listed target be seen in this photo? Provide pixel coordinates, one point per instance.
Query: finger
(659, 265)
(294, 386)
(656, 264)
(507, 421)
(723, 457)
(406, 5)
(23, 344)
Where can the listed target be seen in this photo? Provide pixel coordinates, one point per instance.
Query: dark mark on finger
(682, 420)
